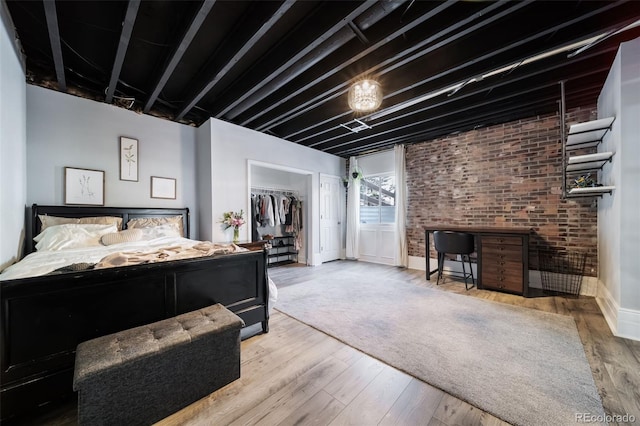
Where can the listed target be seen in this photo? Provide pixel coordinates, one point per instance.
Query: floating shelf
(589, 134)
(590, 191)
(582, 163)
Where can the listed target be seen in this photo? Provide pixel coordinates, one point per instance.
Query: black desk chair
(455, 243)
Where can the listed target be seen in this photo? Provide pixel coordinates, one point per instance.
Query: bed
(46, 316)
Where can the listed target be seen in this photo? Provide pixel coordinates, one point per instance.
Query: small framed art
(162, 187)
(83, 186)
(128, 159)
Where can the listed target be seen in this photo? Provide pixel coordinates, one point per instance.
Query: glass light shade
(365, 96)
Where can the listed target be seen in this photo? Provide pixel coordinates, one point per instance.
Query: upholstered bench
(141, 375)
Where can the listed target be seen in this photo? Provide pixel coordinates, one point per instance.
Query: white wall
(13, 157)
(64, 130)
(204, 202)
(618, 230)
(232, 147)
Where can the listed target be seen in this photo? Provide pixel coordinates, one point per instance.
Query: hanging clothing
(283, 206)
(255, 214)
(276, 210)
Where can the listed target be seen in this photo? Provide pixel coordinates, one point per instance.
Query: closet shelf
(581, 163)
(282, 251)
(590, 191)
(589, 134)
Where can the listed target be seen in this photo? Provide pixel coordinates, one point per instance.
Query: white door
(330, 221)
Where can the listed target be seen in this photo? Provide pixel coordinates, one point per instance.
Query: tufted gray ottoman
(144, 374)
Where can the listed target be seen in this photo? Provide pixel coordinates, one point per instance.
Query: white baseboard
(622, 322)
(417, 263)
(629, 324)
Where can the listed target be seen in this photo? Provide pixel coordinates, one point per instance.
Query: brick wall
(504, 175)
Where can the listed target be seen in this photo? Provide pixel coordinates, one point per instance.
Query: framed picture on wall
(162, 187)
(128, 159)
(83, 186)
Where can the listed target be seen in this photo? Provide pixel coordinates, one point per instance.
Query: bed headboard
(126, 213)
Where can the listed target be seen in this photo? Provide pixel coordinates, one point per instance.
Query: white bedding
(43, 262)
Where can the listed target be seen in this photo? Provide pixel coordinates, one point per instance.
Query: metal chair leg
(473, 280)
(464, 273)
(440, 266)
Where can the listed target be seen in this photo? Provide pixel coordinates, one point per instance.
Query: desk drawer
(499, 282)
(501, 253)
(502, 240)
(505, 270)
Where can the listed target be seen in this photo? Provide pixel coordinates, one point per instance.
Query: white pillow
(126, 236)
(72, 235)
(166, 230)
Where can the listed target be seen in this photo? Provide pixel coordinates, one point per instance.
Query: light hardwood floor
(296, 375)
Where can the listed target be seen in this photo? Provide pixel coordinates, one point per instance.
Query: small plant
(584, 181)
(356, 174)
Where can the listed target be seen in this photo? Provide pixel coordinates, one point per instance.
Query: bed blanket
(163, 254)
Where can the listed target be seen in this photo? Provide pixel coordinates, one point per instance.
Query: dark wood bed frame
(44, 318)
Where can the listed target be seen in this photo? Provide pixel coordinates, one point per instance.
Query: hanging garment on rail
(255, 214)
(266, 211)
(283, 206)
(276, 210)
(294, 225)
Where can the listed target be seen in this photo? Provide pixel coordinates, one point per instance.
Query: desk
(503, 256)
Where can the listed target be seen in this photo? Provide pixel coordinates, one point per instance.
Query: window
(378, 199)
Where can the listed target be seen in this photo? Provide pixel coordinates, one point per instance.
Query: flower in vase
(233, 220)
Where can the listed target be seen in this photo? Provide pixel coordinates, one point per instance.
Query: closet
(277, 217)
(279, 200)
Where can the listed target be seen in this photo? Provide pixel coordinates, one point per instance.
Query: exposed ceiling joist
(284, 67)
(396, 106)
(54, 37)
(125, 36)
(341, 89)
(321, 47)
(186, 40)
(396, 60)
(247, 46)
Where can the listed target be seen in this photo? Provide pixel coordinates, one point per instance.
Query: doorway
(271, 179)
(330, 217)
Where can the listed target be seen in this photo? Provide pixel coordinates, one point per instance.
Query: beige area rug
(523, 366)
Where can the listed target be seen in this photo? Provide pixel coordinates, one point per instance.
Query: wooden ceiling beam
(318, 102)
(294, 66)
(487, 104)
(123, 44)
(463, 96)
(434, 132)
(186, 40)
(54, 38)
(392, 64)
(233, 61)
(342, 88)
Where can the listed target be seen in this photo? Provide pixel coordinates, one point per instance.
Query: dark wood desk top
(479, 229)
